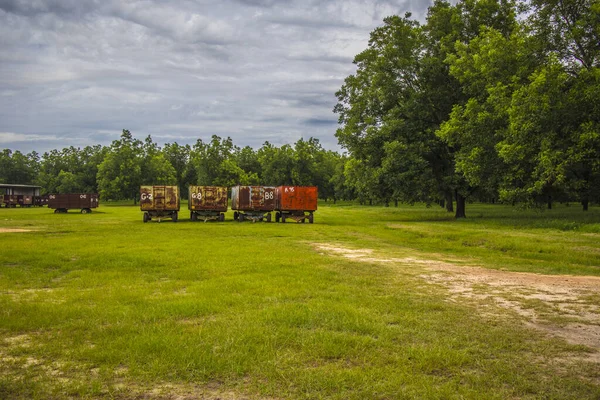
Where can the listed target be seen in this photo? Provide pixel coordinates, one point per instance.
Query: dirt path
(560, 305)
(13, 230)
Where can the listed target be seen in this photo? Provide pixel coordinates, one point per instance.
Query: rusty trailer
(296, 202)
(40, 201)
(254, 203)
(25, 201)
(62, 203)
(159, 202)
(207, 203)
(10, 200)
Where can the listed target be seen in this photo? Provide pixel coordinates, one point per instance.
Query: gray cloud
(59, 7)
(76, 72)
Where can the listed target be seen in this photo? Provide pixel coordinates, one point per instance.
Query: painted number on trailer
(146, 196)
(83, 196)
(52, 197)
(197, 196)
(291, 190)
(268, 195)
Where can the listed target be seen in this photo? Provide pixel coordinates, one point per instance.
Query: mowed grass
(102, 305)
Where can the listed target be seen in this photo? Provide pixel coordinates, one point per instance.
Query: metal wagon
(159, 202)
(61, 203)
(296, 202)
(207, 203)
(254, 203)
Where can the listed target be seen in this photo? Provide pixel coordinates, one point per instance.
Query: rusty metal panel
(159, 198)
(212, 198)
(27, 200)
(253, 198)
(296, 198)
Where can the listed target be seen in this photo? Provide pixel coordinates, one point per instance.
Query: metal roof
(9, 185)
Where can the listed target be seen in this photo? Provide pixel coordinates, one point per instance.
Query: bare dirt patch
(560, 305)
(14, 230)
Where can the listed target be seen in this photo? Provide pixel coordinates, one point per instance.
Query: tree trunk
(396, 203)
(449, 206)
(549, 202)
(442, 203)
(460, 206)
(334, 200)
(585, 203)
(370, 202)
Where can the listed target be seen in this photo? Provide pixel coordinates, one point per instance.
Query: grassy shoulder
(103, 305)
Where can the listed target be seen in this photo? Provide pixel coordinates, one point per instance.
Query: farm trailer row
(13, 200)
(253, 203)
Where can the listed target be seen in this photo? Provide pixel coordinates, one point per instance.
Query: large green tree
(179, 157)
(215, 163)
(490, 68)
(277, 164)
(402, 92)
(120, 174)
(18, 168)
(71, 170)
(529, 127)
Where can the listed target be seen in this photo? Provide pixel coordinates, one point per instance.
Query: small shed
(24, 190)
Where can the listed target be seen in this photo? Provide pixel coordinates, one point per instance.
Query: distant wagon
(159, 202)
(295, 202)
(24, 201)
(207, 203)
(252, 202)
(10, 200)
(61, 203)
(40, 201)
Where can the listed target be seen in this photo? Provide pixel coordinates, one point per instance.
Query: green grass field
(105, 306)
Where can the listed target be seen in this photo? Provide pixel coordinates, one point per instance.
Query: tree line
(487, 100)
(118, 170)
(493, 100)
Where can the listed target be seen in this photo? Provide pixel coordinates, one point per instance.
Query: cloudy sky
(77, 72)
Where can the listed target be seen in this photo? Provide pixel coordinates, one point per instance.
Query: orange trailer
(296, 202)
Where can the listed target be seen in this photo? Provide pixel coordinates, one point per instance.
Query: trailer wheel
(240, 217)
(174, 216)
(283, 218)
(84, 210)
(269, 217)
(221, 217)
(236, 215)
(277, 216)
(56, 211)
(146, 217)
(193, 216)
(310, 218)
